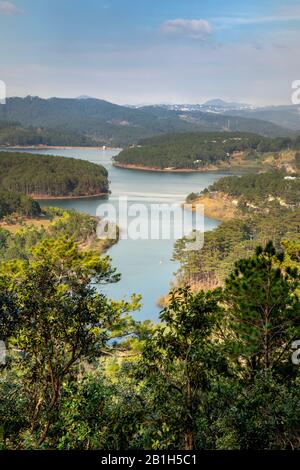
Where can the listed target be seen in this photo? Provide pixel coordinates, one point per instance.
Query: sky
(151, 51)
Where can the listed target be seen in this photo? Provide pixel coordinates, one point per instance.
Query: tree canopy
(62, 120)
(216, 373)
(261, 189)
(47, 175)
(199, 150)
(14, 203)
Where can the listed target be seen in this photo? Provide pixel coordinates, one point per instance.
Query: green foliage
(15, 134)
(199, 150)
(231, 241)
(61, 322)
(81, 228)
(264, 189)
(180, 358)
(263, 310)
(215, 374)
(97, 413)
(257, 415)
(192, 197)
(13, 203)
(44, 175)
(59, 121)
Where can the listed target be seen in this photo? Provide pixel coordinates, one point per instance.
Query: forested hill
(254, 208)
(15, 203)
(200, 150)
(50, 176)
(14, 134)
(261, 189)
(104, 122)
(239, 196)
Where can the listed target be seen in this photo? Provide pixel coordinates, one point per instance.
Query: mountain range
(102, 122)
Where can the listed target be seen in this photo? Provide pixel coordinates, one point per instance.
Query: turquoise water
(145, 265)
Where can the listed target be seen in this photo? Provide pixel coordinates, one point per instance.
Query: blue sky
(130, 51)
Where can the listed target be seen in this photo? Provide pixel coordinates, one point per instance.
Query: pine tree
(263, 310)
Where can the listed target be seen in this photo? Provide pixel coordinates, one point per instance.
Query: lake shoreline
(143, 261)
(39, 197)
(219, 206)
(129, 166)
(57, 147)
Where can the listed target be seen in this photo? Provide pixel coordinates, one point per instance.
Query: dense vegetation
(19, 234)
(50, 176)
(15, 134)
(14, 203)
(217, 373)
(101, 122)
(267, 209)
(199, 150)
(232, 240)
(252, 186)
(261, 189)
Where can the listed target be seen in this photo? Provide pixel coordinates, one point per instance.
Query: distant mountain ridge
(103, 122)
(287, 116)
(219, 103)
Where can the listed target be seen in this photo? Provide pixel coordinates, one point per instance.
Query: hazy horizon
(151, 52)
(154, 103)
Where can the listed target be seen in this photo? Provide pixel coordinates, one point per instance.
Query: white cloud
(9, 9)
(196, 29)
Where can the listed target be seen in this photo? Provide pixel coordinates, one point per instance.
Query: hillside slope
(108, 123)
(204, 151)
(285, 116)
(47, 176)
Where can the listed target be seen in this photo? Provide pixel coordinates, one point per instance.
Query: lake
(145, 265)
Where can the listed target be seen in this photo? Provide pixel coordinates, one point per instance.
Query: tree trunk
(189, 434)
(189, 440)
